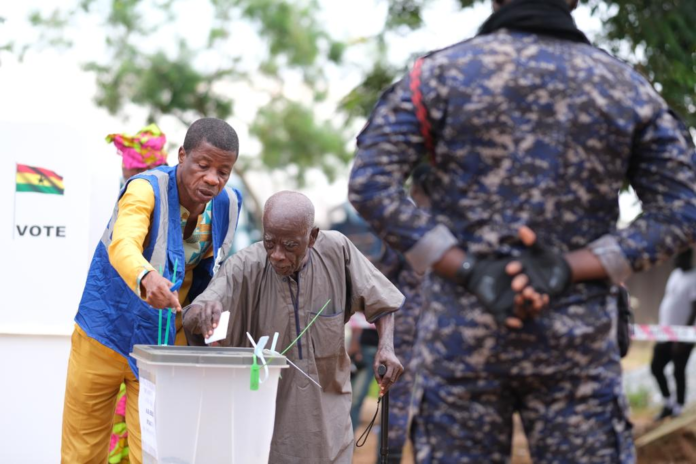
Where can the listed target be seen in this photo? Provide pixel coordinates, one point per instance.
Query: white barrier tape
(664, 333)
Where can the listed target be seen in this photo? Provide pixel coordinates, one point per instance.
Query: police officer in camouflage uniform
(527, 127)
(398, 270)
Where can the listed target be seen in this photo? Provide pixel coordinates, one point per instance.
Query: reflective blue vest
(110, 312)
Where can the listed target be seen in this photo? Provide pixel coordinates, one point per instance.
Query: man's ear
(182, 154)
(573, 4)
(313, 236)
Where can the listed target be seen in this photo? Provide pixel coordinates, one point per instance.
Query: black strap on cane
(381, 371)
(367, 431)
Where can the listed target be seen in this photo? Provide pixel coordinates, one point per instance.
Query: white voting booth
(48, 241)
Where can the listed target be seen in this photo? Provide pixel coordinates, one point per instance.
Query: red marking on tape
(646, 331)
(670, 333)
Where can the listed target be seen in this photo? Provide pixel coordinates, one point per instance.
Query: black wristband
(464, 271)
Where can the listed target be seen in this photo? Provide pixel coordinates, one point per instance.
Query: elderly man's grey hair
(290, 206)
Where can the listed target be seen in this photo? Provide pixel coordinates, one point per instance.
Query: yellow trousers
(95, 374)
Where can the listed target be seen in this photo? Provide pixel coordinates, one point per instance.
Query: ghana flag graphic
(39, 180)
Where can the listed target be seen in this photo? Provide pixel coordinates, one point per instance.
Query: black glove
(547, 270)
(548, 273)
(490, 283)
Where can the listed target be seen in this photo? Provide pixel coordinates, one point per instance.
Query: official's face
(204, 171)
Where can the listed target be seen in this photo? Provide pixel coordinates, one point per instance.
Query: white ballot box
(197, 405)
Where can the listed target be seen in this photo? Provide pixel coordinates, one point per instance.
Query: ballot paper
(221, 331)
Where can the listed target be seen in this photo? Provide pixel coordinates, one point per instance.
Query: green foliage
(180, 84)
(9, 46)
(165, 86)
(289, 28)
(639, 399)
(661, 30)
(664, 32)
(402, 15)
(294, 41)
(336, 51)
(52, 27)
(125, 14)
(373, 392)
(291, 135)
(407, 13)
(360, 101)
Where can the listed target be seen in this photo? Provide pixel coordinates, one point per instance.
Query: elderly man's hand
(385, 355)
(202, 319)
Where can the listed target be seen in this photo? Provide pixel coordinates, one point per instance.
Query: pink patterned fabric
(142, 150)
(121, 406)
(118, 445)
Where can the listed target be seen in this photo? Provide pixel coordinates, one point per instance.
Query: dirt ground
(368, 454)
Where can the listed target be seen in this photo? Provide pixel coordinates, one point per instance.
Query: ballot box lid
(204, 356)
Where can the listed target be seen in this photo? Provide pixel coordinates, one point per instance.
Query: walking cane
(384, 429)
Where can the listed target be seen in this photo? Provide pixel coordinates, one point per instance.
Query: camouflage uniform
(393, 265)
(528, 130)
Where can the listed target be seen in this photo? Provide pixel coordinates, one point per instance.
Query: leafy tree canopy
(276, 40)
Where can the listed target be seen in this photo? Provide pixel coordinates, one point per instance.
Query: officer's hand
(548, 271)
(528, 302)
(491, 284)
(202, 319)
(538, 274)
(157, 292)
(385, 355)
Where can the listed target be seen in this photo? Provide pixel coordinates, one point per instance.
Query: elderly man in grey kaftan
(279, 285)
